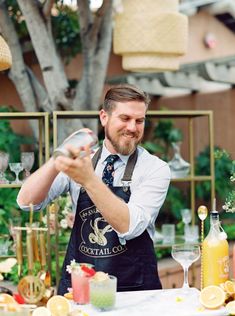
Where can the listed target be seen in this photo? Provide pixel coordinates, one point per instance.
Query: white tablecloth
(171, 302)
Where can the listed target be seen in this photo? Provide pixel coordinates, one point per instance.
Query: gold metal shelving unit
(43, 132)
(43, 142)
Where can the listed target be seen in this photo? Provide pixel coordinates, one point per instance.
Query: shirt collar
(105, 153)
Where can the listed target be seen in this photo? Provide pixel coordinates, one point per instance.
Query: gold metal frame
(43, 130)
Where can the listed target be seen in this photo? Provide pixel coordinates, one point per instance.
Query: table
(156, 302)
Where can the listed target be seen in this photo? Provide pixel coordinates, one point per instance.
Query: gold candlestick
(202, 212)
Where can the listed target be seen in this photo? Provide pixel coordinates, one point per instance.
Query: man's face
(124, 126)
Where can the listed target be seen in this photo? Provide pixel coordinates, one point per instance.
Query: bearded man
(117, 193)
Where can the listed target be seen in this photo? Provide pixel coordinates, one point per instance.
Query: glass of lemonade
(80, 284)
(103, 292)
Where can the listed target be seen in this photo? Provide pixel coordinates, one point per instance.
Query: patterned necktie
(108, 172)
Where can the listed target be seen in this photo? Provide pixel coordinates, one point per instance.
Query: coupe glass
(16, 167)
(185, 255)
(27, 160)
(4, 159)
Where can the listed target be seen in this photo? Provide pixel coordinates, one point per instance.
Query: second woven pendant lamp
(5, 55)
(150, 35)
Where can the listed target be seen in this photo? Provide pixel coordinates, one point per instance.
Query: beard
(124, 142)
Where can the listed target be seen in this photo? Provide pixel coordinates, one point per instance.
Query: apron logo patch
(98, 237)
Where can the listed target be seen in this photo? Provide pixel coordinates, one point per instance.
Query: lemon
(212, 297)
(58, 305)
(230, 307)
(7, 299)
(229, 287)
(69, 295)
(41, 311)
(100, 276)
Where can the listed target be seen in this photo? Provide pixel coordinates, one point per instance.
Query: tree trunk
(96, 31)
(96, 37)
(17, 72)
(53, 72)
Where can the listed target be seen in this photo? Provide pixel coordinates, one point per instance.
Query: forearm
(114, 210)
(36, 187)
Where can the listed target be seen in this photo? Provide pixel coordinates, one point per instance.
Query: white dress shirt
(150, 181)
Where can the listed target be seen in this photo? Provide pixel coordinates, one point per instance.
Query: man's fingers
(73, 151)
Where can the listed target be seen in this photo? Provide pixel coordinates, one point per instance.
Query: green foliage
(13, 275)
(66, 31)
(175, 201)
(10, 142)
(17, 18)
(223, 167)
(65, 27)
(164, 134)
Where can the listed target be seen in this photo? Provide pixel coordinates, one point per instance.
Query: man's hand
(79, 168)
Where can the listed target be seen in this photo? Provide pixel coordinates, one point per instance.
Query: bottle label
(223, 267)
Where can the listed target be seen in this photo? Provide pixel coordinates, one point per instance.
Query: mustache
(133, 134)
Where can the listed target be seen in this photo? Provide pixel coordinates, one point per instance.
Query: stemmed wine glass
(16, 167)
(4, 159)
(185, 255)
(27, 160)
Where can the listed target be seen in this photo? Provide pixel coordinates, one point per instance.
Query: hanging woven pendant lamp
(5, 55)
(150, 35)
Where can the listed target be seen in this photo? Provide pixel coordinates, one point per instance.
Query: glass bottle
(215, 250)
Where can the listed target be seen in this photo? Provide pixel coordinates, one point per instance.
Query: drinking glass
(168, 233)
(103, 293)
(80, 285)
(16, 167)
(185, 255)
(186, 218)
(27, 160)
(4, 159)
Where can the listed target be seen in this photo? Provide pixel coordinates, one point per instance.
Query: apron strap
(96, 157)
(129, 167)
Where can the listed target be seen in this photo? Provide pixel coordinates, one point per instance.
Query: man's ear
(103, 117)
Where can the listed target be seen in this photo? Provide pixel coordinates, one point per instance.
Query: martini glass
(185, 255)
(16, 167)
(27, 160)
(4, 159)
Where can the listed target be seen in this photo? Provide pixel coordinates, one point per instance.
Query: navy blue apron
(94, 241)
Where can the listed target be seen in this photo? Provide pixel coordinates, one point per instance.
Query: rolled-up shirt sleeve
(147, 197)
(60, 185)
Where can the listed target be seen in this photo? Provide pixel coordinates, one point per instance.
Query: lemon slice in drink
(212, 297)
(58, 305)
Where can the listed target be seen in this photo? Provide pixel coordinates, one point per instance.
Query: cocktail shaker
(78, 139)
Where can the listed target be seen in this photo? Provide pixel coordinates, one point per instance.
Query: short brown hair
(124, 93)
